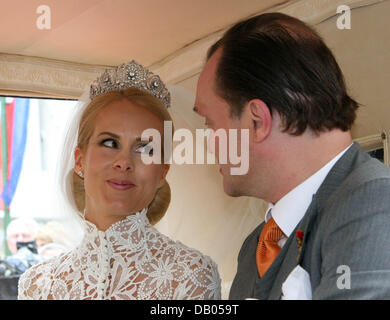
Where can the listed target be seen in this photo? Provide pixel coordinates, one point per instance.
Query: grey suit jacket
(347, 224)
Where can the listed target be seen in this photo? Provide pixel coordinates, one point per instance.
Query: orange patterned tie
(268, 248)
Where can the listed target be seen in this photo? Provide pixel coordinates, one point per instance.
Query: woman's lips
(120, 185)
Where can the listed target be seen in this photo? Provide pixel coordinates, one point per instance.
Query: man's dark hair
(283, 62)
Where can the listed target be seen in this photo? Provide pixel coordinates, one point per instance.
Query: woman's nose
(123, 164)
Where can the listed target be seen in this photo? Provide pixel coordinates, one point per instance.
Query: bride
(119, 197)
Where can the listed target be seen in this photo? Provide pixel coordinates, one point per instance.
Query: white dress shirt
(290, 209)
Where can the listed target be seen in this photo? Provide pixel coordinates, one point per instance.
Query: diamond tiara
(130, 75)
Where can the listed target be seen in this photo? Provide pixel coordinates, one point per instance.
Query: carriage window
(31, 130)
(377, 154)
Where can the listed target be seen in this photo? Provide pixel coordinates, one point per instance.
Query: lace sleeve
(24, 291)
(34, 284)
(203, 282)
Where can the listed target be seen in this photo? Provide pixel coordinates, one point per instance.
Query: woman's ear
(260, 119)
(78, 160)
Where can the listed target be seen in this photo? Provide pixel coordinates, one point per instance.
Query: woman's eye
(110, 143)
(145, 148)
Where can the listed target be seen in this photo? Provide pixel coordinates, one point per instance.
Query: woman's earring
(80, 174)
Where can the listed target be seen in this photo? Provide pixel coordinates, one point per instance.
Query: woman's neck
(103, 220)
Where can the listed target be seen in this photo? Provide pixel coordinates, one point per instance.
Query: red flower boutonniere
(299, 235)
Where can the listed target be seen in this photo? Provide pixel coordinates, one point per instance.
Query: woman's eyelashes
(111, 143)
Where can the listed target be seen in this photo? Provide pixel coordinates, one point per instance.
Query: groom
(325, 234)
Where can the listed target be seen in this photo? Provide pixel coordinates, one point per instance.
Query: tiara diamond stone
(130, 75)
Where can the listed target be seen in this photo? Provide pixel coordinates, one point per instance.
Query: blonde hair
(162, 198)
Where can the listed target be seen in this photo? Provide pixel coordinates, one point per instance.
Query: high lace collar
(130, 260)
(131, 229)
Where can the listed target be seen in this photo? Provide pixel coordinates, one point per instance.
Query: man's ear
(260, 119)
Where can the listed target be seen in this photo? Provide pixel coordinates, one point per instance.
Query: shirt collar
(290, 209)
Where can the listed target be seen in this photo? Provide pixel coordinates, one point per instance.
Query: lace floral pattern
(130, 260)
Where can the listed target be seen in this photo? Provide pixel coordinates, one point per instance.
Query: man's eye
(110, 143)
(145, 148)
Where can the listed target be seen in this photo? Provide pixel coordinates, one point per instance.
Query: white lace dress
(130, 260)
